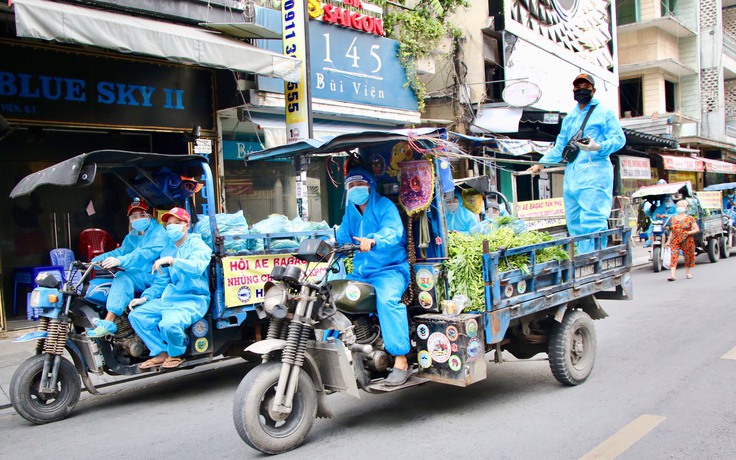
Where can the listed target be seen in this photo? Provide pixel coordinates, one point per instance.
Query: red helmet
(140, 205)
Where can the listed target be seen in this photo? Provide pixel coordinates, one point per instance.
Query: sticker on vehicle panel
(455, 363)
(471, 327)
(201, 345)
(423, 331)
(244, 294)
(473, 349)
(352, 292)
(200, 328)
(451, 333)
(521, 287)
(454, 348)
(509, 290)
(425, 279)
(425, 300)
(424, 359)
(438, 346)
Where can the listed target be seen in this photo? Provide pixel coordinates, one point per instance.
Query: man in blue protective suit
(179, 296)
(374, 222)
(588, 184)
(663, 211)
(141, 247)
(458, 217)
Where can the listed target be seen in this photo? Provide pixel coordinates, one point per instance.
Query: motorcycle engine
(127, 340)
(368, 332)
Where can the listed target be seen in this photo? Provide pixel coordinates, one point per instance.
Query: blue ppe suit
(462, 219)
(728, 202)
(137, 255)
(588, 184)
(385, 266)
(666, 207)
(178, 298)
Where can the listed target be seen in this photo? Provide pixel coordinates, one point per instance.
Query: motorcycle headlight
(35, 298)
(274, 294)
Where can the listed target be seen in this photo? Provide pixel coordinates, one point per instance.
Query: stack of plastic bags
(277, 223)
(229, 225)
(487, 226)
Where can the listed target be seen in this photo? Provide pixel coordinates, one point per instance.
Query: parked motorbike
(277, 402)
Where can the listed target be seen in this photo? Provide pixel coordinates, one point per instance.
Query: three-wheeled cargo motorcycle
(715, 232)
(46, 387)
(324, 335)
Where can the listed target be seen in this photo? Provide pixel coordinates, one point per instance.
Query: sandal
(172, 362)
(689, 276)
(153, 362)
(670, 279)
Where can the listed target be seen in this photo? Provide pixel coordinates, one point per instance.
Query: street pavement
(12, 354)
(661, 388)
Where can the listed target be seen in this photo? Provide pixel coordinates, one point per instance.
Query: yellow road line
(730, 355)
(624, 438)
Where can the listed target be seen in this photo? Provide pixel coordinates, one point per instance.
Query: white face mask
(452, 207)
(681, 210)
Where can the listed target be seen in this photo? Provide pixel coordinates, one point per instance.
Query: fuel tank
(353, 296)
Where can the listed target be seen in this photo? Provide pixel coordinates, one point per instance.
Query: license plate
(657, 229)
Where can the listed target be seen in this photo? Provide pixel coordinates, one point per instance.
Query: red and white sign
(717, 166)
(353, 14)
(634, 167)
(683, 163)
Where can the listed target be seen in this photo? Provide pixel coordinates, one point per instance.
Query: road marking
(625, 438)
(730, 355)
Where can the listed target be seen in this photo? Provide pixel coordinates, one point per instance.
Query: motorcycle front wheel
(40, 408)
(258, 426)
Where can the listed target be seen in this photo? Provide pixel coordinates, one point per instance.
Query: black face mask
(583, 95)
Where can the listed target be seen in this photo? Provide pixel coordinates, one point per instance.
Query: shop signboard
(246, 276)
(237, 150)
(674, 163)
(48, 85)
(634, 167)
(350, 65)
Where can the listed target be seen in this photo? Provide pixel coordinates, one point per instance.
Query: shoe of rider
(397, 377)
(103, 328)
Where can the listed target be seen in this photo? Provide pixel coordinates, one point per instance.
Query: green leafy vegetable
(464, 266)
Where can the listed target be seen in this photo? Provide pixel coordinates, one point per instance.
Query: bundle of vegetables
(464, 266)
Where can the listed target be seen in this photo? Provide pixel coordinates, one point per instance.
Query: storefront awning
(46, 20)
(717, 166)
(683, 163)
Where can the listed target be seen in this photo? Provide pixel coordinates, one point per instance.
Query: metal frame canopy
(81, 170)
(343, 142)
(719, 187)
(46, 20)
(665, 189)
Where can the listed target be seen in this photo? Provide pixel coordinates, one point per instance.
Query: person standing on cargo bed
(373, 221)
(588, 185)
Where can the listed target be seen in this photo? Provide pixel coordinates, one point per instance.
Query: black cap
(585, 77)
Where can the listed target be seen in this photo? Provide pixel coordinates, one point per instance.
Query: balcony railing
(730, 131)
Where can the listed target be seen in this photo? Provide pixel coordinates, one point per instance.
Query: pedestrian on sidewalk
(681, 229)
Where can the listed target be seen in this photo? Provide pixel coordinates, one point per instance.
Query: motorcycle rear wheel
(37, 408)
(251, 414)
